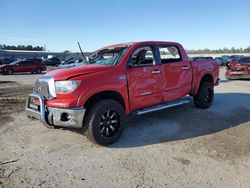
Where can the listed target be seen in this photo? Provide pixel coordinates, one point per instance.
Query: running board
(184, 100)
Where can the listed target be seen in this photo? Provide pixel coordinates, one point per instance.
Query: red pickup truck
(118, 80)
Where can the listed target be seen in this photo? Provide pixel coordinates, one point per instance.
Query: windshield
(14, 62)
(108, 56)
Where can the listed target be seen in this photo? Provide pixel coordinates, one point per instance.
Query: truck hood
(66, 73)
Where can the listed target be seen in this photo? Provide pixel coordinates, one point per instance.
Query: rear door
(177, 73)
(144, 78)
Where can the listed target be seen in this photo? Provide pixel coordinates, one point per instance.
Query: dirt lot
(177, 147)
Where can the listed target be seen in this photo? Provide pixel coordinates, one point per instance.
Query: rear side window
(169, 54)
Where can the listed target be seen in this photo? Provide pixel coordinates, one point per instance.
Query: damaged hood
(66, 73)
(238, 66)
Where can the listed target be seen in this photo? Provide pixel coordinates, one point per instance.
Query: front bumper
(50, 116)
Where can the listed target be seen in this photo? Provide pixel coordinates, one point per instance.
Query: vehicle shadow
(232, 80)
(226, 81)
(183, 122)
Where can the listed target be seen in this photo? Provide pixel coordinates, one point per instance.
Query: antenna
(81, 51)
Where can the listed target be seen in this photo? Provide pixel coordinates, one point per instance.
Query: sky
(59, 24)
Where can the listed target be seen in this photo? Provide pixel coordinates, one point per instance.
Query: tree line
(220, 51)
(21, 47)
(200, 51)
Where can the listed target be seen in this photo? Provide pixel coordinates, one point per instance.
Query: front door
(19, 67)
(177, 74)
(144, 78)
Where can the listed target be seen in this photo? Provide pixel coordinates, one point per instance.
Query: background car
(223, 60)
(23, 66)
(202, 58)
(4, 61)
(35, 60)
(219, 60)
(54, 61)
(73, 63)
(235, 58)
(239, 69)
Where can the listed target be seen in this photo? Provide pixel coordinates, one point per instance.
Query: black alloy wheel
(104, 122)
(109, 123)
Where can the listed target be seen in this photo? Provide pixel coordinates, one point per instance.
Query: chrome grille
(45, 87)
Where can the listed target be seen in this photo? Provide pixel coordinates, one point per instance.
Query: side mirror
(17, 64)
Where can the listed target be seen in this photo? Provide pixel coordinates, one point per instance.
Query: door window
(169, 54)
(143, 56)
(25, 63)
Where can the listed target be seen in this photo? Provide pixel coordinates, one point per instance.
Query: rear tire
(9, 71)
(205, 96)
(105, 122)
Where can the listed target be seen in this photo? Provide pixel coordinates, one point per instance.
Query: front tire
(205, 96)
(9, 71)
(105, 121)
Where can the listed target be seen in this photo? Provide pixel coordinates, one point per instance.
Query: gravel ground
(177, 147)
(23, 79)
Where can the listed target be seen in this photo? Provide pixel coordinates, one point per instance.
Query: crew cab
(23, 66)
(238, 68)
(118, 80)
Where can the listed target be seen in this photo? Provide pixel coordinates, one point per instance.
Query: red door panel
(145, 86)
(178, 80)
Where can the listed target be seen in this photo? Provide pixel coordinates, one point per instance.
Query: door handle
(156, 72)
(185, 67)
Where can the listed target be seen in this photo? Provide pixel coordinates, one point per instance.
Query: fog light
(65, 117)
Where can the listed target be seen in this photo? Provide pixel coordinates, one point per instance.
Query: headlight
(67, 86)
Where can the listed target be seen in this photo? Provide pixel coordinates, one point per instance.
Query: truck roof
(141, 43)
